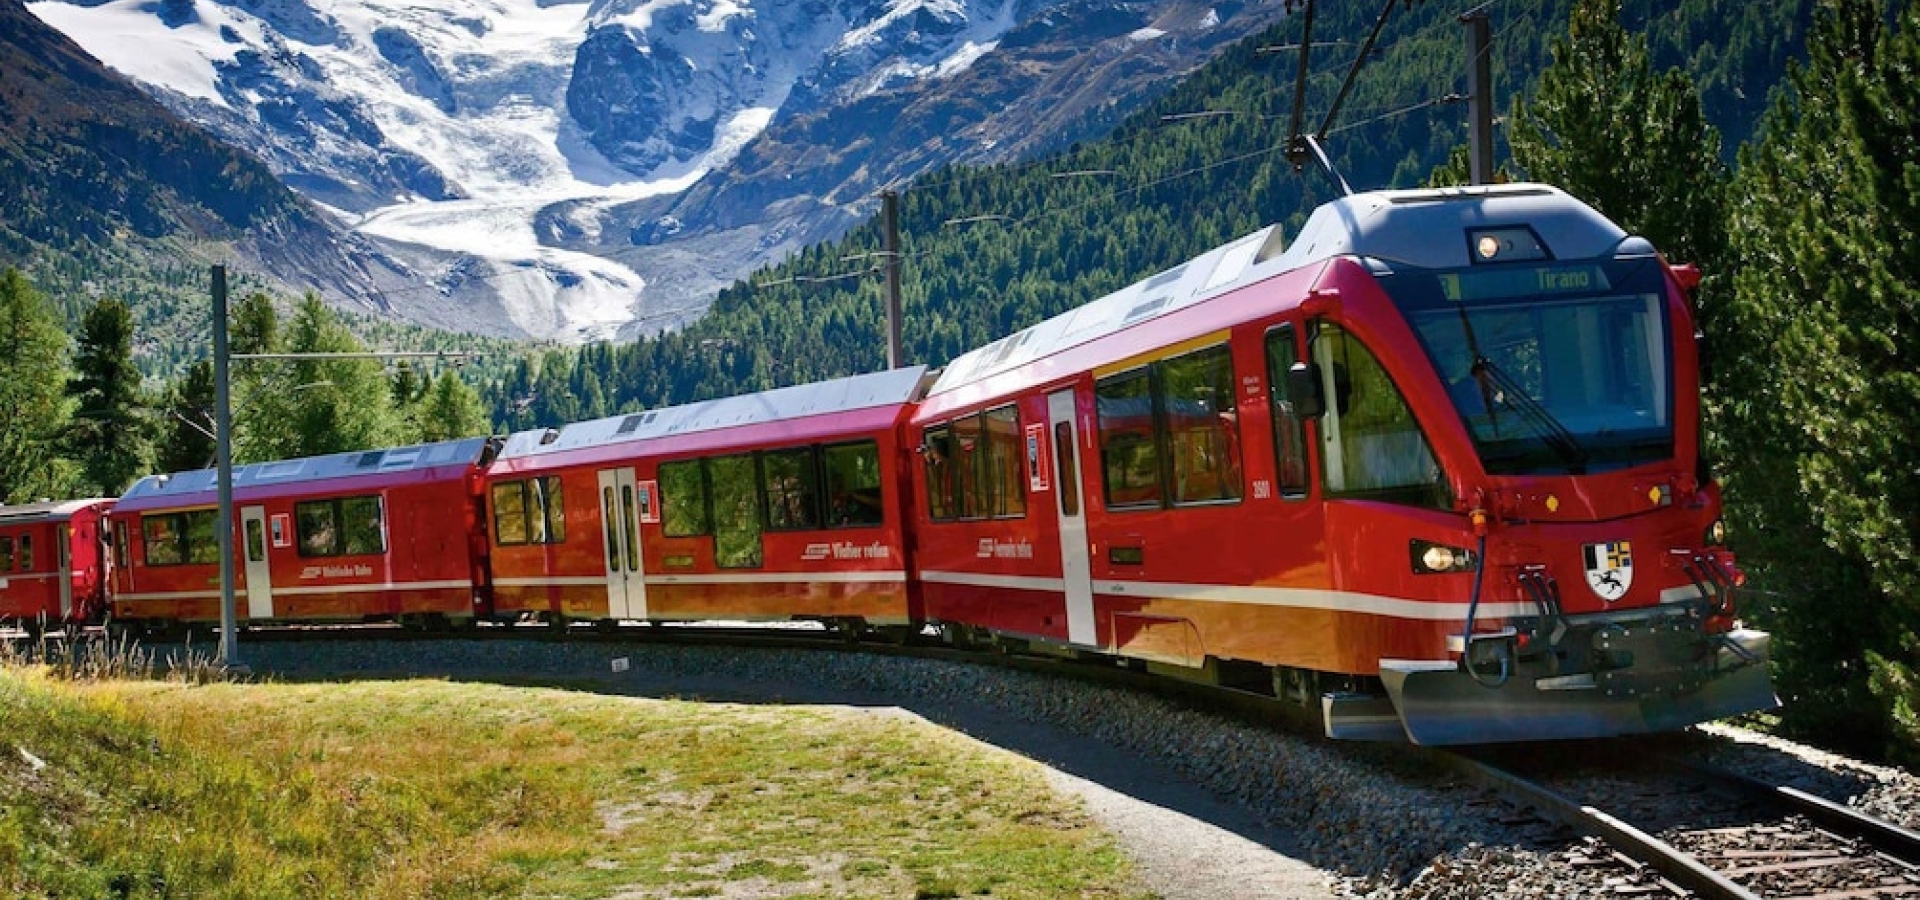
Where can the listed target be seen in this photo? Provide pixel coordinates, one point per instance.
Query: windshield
(1556, 367)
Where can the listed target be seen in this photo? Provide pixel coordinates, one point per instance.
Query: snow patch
(495, 127)
(129, 38)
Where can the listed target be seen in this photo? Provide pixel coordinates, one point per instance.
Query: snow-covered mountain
(530, 161)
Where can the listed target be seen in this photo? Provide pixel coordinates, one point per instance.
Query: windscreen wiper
(1496, 384)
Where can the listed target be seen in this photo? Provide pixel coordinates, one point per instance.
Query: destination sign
(1529, 281)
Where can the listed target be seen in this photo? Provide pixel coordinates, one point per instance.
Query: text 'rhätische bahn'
(1433, 466)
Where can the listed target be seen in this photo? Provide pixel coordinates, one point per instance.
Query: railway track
(1666, 830)
(1663, 826)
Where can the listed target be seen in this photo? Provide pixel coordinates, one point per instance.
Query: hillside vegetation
(145, 789)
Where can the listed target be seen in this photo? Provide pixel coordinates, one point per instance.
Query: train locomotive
(1431, 468)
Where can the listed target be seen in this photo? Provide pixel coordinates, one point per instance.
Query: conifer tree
(1824, 341)
(451, 410)
(187, 436)
(261, 390)
(33, 402)
(1633, 143)
(112, 432)
(337, 404)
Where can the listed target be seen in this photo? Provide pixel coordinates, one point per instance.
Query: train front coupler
(1556, 676)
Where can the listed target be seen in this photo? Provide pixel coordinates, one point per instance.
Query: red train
(1432, 466)
(53, 563)
(381, 534)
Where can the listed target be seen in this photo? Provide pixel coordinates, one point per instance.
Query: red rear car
(53, 564)
(374, 535)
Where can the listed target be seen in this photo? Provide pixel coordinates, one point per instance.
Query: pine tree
(1822, 342)
(33, 404)
(187, 434)
(1604, 127)
(337, 404)
(112, 431)
(451, 410)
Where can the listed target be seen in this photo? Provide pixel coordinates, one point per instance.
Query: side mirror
(1309, 401)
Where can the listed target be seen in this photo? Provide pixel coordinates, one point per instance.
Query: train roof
(47, 510)
(869, 391)
(1416, 228)
(189, 487)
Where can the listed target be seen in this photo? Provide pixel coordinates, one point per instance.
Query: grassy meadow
(149, 788)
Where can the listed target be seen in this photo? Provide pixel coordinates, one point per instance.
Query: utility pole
(223, 454)
(890, 212)
(1479, 96)
(223, 451)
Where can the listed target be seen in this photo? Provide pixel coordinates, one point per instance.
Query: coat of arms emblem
(1609, 569)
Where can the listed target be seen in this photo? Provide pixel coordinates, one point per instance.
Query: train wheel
(1300, 686)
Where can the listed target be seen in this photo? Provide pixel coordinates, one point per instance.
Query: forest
(1778, 156)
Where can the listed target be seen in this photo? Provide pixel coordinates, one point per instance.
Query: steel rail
(1900, 843)
(1678, 867)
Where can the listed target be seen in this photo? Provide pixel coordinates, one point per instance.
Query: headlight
(1716, 535)
(1430, 558)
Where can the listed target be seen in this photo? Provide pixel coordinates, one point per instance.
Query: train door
(253, 540)
(1076, 566)
(63, 567)
(620, 515)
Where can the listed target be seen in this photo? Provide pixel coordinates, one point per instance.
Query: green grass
(140, 788)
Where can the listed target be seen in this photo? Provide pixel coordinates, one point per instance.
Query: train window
(120, 544)
(1129, 455)
(1289, 430)
(969, 467)
(256, 541)
(736, 511)
(174, 539)
(1002, 480)
(790, 481)
(510, 513)
(163, 541)
(1373, 446)
(1067, 469)
(942, 477)
(1201, 423)
(628, 518)
(26, 553)
(683, 499)
(547, 510)
(203, 542)
(529, 512)
(363, 525)
(6, 553)
(610, 519)
(317, 526)
(853, 485)
(342, 526)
